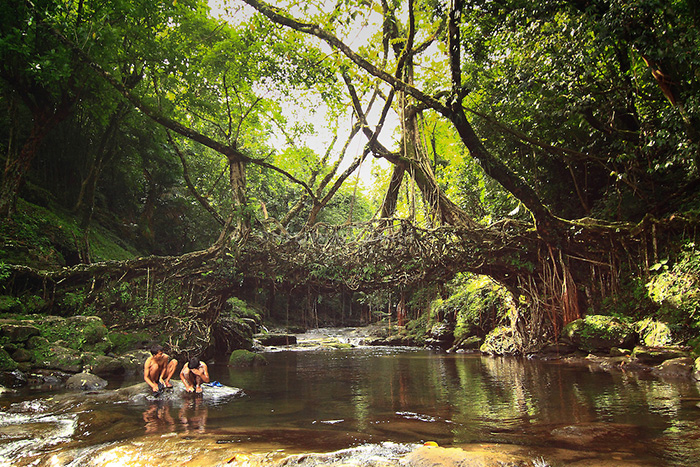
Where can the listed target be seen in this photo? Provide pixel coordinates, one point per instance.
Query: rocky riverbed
(46, 352)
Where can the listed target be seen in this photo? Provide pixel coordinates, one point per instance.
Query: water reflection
(331, 399)
(157, 417)
(193, 415)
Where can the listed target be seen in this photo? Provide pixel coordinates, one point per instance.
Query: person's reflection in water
(157, 417)
(193, 415)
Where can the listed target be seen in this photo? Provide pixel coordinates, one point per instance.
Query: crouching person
(194, 373)
(158, 370)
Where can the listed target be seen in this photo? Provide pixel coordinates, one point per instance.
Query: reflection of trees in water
(509, 389)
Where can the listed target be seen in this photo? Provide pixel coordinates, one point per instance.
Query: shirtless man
(158, 369)
(193, 374)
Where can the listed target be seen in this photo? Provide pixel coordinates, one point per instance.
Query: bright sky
(357, 36)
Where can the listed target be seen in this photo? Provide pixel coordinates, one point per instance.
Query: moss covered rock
(124, 342)
(16, 331)
(133, 361)
(500, 341)
(598, 333)
(245, 358)
(102, 365)
(657, 355)
(6, 362)
(56, 357)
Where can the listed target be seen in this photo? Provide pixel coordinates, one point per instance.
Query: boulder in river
(681, 367)
(657, 355)
(102, 364)
(244, 358)
(276, 339)
(86, 382)
(500, 341)
(142, 394)
(598, 333)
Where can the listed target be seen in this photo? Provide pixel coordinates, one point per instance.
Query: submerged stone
(586, 434)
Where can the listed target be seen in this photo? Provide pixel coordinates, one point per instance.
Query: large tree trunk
(17, 167)
(237, 180)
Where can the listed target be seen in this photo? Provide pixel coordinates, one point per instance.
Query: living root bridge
(360, 256)
(189, 266)
(385, 253)
(388, 253)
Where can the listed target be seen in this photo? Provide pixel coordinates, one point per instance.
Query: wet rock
(675, 368)
(142, 394)
(15, 331)
(598, 433)
(133, 361)
(55, 357)
(102, 365)
(500, 341)
(48, 378)
(86, 382)
(597, 333)
(244, 358)
(657, 355)
(276, 339)
(13, 379)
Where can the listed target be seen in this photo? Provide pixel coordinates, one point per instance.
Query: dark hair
(193, 363)
(155, 348)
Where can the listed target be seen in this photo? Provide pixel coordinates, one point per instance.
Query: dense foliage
(560, 139)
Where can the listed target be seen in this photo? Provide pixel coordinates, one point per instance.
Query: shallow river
(326, 400)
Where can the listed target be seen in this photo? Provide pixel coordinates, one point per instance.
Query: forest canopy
(554, 147)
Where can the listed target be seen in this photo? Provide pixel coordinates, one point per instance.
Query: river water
(321, 400)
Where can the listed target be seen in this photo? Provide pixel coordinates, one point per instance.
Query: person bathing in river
(193, 374)
(158, 369)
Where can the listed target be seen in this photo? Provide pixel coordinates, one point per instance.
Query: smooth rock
(86, 382)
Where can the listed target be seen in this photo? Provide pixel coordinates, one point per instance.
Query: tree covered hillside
(167, 159)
